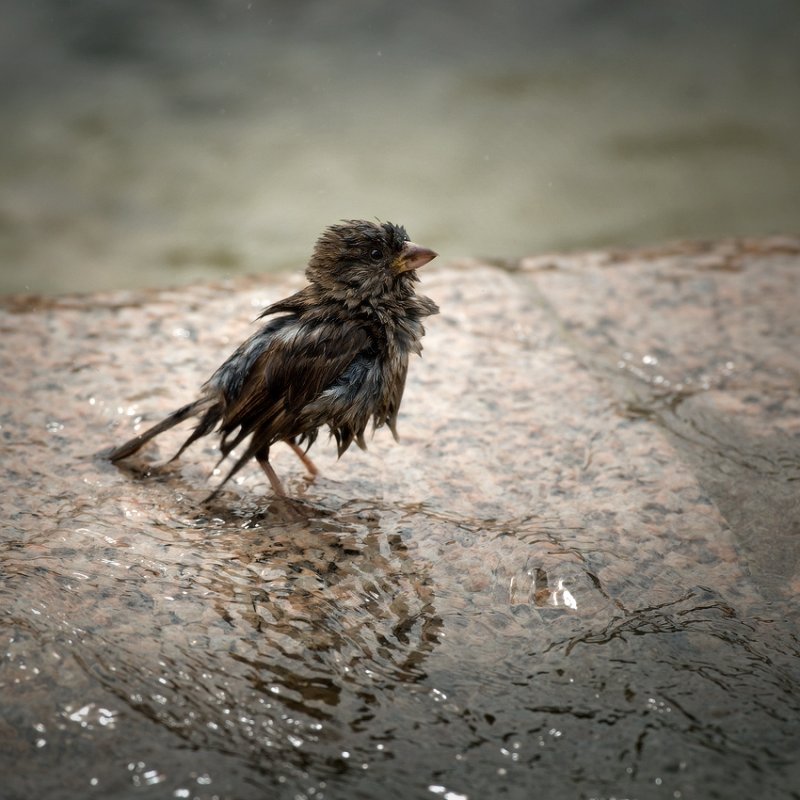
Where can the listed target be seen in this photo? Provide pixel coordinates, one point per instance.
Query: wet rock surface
(575, 576)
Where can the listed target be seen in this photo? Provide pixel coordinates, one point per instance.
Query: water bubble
(152, 776)
(448, 795)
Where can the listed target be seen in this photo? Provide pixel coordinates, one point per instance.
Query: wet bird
(335, 353)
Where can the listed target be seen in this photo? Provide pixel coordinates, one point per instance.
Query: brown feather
(333, 354)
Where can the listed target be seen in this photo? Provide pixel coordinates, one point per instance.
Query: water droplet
(152, 777)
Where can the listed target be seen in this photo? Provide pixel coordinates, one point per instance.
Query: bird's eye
(376, 254)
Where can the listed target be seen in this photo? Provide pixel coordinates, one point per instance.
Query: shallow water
(532, 593)
(341, 655)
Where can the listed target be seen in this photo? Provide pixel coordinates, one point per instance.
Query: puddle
(368, 649)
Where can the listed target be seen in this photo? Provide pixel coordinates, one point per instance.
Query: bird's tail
(208, 407)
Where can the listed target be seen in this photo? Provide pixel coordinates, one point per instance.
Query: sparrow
(335, 353)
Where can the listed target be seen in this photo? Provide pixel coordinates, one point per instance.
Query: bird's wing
(294, 304)
(295, 363)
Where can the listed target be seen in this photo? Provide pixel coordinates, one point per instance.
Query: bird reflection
(352, 604)
(290, 633)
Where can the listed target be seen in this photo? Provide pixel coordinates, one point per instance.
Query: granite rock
(588, 534)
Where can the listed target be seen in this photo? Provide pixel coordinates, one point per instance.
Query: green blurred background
(159, 142)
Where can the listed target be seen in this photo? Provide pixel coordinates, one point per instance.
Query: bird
(333, 354)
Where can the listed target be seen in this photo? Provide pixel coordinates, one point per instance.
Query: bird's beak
(413, 257)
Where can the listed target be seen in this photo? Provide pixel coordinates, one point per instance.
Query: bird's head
(359, 259)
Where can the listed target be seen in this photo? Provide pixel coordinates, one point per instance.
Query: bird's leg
(274, 480)
(303, 456)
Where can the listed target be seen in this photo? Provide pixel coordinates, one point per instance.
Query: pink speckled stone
(591, 521)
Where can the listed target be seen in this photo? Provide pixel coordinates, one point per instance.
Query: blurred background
(157, 142)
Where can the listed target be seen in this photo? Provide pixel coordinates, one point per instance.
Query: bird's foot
(303, 456)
